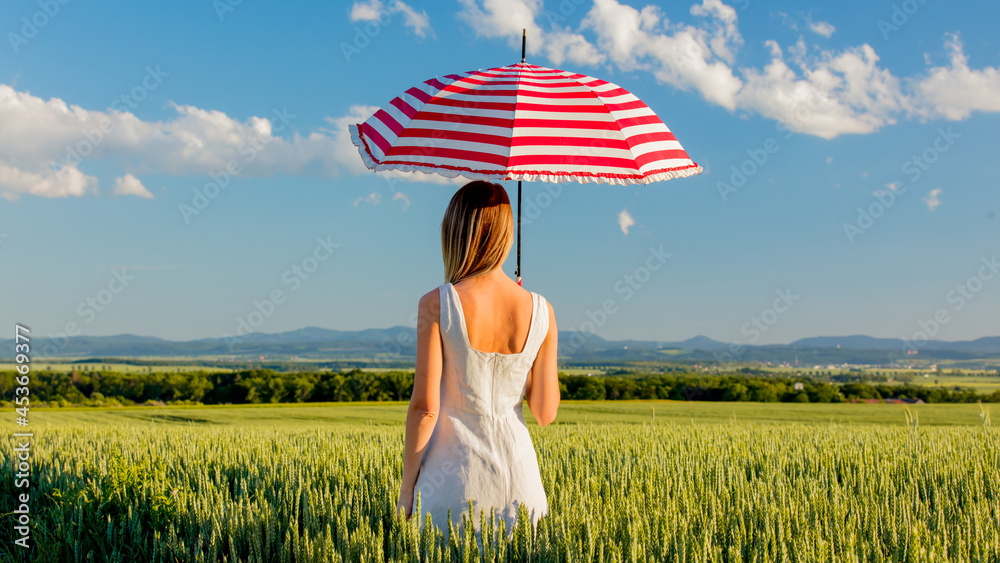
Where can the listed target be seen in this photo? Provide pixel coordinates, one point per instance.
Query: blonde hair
(477, 231)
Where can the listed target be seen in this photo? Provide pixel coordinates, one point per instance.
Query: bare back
(497, 314)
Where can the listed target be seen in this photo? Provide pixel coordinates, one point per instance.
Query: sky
(176, 169)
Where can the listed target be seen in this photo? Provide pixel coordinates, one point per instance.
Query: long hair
(477, 231)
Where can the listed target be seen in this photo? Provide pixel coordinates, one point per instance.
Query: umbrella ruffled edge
(375, 166)
(615, 179)
(362, 144)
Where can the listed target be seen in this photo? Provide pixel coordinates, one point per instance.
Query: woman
(483, 345)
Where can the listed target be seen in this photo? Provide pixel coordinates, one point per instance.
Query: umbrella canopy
(522, 122)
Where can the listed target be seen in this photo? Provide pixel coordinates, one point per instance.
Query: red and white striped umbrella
(522, 122)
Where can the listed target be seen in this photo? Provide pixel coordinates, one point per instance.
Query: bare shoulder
(432, 296)
(429, 306)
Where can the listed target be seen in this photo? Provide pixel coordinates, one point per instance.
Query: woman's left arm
(425, 402)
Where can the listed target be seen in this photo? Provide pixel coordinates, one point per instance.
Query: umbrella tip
(524, 41)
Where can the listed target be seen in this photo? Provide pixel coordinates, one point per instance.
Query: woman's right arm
(542, 387)
(425, 401)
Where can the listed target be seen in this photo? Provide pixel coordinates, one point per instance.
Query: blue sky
(839, 98)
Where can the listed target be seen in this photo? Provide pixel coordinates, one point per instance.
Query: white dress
(480, 448)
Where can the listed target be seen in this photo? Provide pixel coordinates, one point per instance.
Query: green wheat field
(626, 481)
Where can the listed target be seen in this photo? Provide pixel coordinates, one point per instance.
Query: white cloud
(48, 144)
(561, 46)
(375, 10)
(821, 92)
(829, 159)
(625, 220)
(366, 11)
(890, 187)
(372, 198)
(726, 37)
(955, 91)
(822, 28)
(402, 196)
(65, 182)
(43, 135)
(933, 199)
(508, 18)
(684, 56)
(344, 149)
(417, 21)
(130, 185)
(774, 48)
(837, 93)
(504, 18)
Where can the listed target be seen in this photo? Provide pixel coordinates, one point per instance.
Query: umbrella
(522, 122)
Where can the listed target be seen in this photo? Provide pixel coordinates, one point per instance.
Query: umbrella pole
(524, 41)
(518, 272)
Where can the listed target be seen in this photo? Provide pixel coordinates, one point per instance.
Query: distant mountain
(400, 342)
(696, 343)
(702, 343)
(316, 334)
(989, 344)
(857, 341)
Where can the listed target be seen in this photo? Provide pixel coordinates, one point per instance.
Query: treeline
(103, 388)
(739, 387)
(106, 388)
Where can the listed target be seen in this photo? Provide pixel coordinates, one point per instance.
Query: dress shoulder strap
(449, 321)
(539, 325)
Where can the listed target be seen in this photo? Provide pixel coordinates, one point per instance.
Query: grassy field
(570, 412)
(626, 481)
(981, 383)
